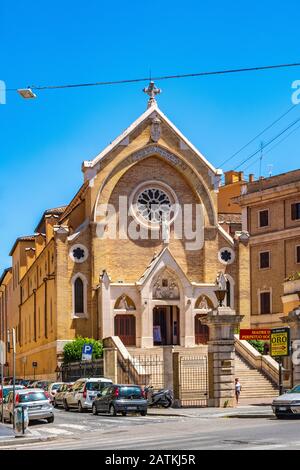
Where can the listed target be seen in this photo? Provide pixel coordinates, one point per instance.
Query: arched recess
(204, 303)
(124, 302)
(79, 296)
(183, 167)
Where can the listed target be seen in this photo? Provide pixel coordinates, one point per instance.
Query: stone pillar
(293, 321)
(146, 324)
(106, 318)
(221, 354)
(110, 364)
(241, 240)
(168, 366)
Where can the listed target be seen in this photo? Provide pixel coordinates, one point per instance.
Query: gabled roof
(26, 238)
(5, 272)
(152, 109)
(169, 259)
(54, 211)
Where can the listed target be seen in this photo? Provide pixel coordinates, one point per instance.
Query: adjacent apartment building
(271, 214)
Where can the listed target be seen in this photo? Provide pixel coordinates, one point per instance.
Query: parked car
(83, 392)
(26, 382)
(287, 404)
(44, 384)
(7, 389)
(58, 399)
(35, 399)
(120, 399)
(52, 389)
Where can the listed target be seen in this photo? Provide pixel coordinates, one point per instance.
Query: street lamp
(26, 93)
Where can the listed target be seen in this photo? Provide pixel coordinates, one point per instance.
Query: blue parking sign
(87, 352)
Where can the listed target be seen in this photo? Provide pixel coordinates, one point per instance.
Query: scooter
(163, 397)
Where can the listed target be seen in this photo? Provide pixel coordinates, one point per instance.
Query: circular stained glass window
(154, 205)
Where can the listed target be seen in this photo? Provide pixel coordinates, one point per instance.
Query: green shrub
(73, 350)
(258, 345)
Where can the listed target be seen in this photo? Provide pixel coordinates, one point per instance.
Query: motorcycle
(163, 397)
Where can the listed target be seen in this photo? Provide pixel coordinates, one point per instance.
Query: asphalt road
(85, 431)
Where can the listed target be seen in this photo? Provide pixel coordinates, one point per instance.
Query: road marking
(56, 431)
(74, 426)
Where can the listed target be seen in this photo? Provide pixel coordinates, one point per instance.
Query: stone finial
(151, 90)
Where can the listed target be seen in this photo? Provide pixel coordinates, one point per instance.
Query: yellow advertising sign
(280, 342)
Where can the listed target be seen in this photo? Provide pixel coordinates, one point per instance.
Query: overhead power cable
(258, 135)
(164, 77)
(267, 144)
(273, 147)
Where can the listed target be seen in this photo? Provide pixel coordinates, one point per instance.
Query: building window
(298, 254)
(79, 293)
(228, 294)
(263, 218)
(264, 259)
(265, 302)
(295, 211)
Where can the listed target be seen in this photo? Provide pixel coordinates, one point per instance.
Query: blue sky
(44, 141)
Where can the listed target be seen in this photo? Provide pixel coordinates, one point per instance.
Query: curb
(14, 441)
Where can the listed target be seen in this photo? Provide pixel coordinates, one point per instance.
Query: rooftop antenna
(260, 158)
(270, 169)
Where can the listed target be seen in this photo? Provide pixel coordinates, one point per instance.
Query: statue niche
(165, 288)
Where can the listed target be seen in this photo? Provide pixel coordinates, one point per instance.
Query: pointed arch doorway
(166, 325)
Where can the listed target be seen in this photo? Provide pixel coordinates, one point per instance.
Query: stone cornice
(290, 232)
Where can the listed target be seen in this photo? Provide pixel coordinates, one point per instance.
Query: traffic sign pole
(280, 377)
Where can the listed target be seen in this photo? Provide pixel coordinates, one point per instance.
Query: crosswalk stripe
(56, 431)
(79, 427)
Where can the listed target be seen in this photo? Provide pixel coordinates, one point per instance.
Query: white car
(83, 392)
(35, 399)
(287, 404)
(52, 389)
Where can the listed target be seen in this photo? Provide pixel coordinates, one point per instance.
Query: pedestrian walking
(238, 389)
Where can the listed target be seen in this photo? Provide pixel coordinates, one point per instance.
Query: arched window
(79, 296)
(228, 293)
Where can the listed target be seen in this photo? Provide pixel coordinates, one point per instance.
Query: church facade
(135, 254)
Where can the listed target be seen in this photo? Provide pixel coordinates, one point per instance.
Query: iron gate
(193, 380)
(141, 370)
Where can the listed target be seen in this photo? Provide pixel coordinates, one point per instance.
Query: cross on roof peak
(151, 91)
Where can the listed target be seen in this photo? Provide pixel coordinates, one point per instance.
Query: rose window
(154, 205)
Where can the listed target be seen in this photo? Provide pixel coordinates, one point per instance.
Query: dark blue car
(120, 399)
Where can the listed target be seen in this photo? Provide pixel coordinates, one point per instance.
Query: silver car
(39, 406)
(83, 392)
(287, 404)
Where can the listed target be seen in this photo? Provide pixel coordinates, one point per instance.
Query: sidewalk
(7, 437)
(246, 408)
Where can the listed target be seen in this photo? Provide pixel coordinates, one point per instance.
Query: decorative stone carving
(124, 303)
(221, 281)
(155, 129)
(166, 288)
(203, 304)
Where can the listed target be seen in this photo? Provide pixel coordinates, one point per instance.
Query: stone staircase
(254, 383)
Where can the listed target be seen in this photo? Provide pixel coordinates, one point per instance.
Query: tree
(73, 350)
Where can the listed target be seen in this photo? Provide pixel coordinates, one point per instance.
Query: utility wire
(165, 77)
(272, 148)
(267, 144)
(258, 135)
